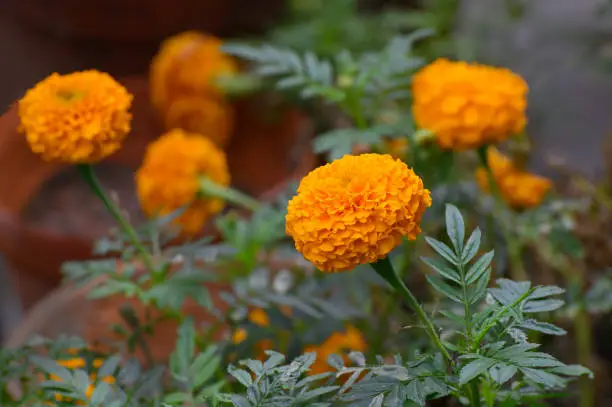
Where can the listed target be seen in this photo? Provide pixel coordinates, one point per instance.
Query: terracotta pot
(261, 156)
(138, 20)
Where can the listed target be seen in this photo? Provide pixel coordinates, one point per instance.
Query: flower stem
(517, 270)
(209, 188)
(384, 268)
(88, 174)
(584, 343)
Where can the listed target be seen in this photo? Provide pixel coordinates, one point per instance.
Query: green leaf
(543, 327)
(543, 378)
(474, 369)
(471, 246)
(443, 250)
(442, 268)
(479, 291)
(542, 306)
(311, 394)
(444, 288)
(546, 291)
(377, 401)
(501, 373)
(241, 375)
(572, 370)
(455, 227)
(480, 266)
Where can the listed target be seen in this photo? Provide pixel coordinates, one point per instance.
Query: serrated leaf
(501, 373)
(543, 327)
(546, 291)
(445, 289)
(572, 370)
(314, 393)
(477, 292)
(479, 267)
(471, 246)
(415, 392)
(239, 401)
(377, 401)
(474, 369)
(241, 375)
(455, 227)
(442, 268)
(443, 250)
(543, 378)
(542, 306)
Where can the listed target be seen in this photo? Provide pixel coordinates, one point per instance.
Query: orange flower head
(80, 363)
(82, 117)
(469, 105)
(188, 63)
(206, 115)
(259, 317)
(355, 210)
(339, 343)
(520, 189)
(170, 174)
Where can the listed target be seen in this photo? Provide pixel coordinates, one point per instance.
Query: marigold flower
(520, 189)
(188, 64)
(340, 343)
(469, 105)
(81, 117)
(80, 363)
(207, 115)
(169, 178)
(355, 210)
(259, 317)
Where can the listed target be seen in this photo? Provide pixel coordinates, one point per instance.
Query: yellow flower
(81, 117)
(239, 336)
(355, 210)
(169, 178)
(188, 63)
(339, 343)
(80, 363)
(469, 105)
(520, 189)
(75, 363)
(207, 115)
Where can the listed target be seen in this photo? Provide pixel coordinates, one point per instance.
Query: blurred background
(562, 47)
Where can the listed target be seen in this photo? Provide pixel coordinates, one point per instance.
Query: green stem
(584, 343)
(209, 188)
(385, 270)
(88, 174)
(517, 270)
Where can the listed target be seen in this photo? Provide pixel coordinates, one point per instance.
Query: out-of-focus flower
(81, 364)
(188, 64)
(355, 210)
(170, 175)
(520, 189)
(469, 105)
(340, 343)
(397, 147)
(259, 317)
(81, 117)
(210, 116)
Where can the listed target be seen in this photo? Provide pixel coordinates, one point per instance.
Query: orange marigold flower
(169, 178)
(259, 317)
(355, 210)
(520, 189)
(207, 115)
(469, 105)
(81, 117)
(339, 343)
(188, 63)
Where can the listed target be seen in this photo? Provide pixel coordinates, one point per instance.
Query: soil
(65, 203)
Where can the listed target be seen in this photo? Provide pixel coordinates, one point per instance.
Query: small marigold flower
(207, 115)
(188, 64)
(81, 117)
(355, 210)
(520, 189)
(339, 343)
(259, 317)
(469, 105)
(170, 174)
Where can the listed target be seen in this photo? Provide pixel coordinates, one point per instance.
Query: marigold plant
(469, 105)
(169, 178)
(355, 210)
(520, 189)
(81, 363)
(188, 64)
(80, 117)
(339, 343)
